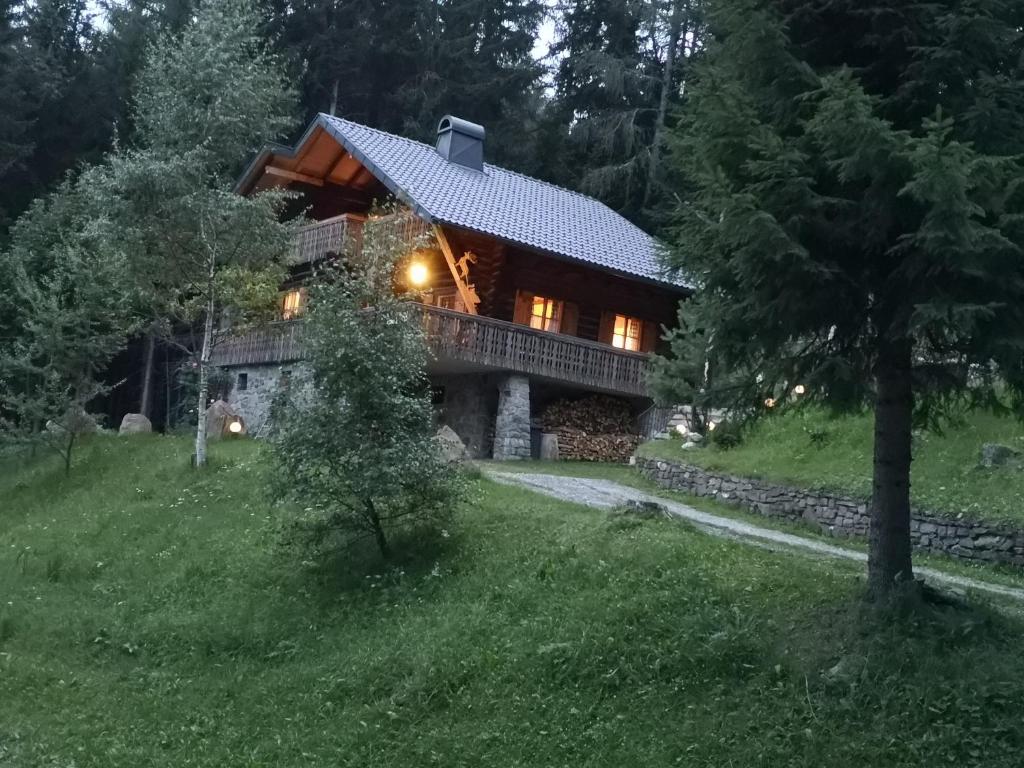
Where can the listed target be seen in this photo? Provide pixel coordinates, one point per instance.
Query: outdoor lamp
(235, 427)
(799, 389)
(769, 402)
(418, 274)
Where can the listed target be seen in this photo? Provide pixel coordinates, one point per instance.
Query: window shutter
(524, 305)
(607, 327)
(649, 337)
(570, 318)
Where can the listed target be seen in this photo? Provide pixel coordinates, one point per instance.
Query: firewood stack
(597, 428)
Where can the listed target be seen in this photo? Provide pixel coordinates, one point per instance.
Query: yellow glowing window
(626, 334)
(293, 303)
(545, 314)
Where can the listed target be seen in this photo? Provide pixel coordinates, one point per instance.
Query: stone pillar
(512, 425)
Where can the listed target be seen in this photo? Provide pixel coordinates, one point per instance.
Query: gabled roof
(507, 205)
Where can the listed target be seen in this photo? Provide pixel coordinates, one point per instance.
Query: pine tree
(854, 208)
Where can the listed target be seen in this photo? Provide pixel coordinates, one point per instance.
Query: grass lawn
(945, 476)
(150, 617)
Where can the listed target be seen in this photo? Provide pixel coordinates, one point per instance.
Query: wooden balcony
(462, 342)
(344, 233)
(489, 344)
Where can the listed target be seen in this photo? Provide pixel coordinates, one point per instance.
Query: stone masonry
(512, 426)
(838, 515)
(263, 384)
(468, 409)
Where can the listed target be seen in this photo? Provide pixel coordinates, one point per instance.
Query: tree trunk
(674, 34)
(889, 542)
(204, 385)
(378, 530)
(68, 449)
(146, 398)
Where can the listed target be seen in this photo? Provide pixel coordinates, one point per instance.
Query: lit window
(626, 334)
(293, 303)
(545, 314)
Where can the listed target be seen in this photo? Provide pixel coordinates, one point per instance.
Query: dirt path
(605, 494)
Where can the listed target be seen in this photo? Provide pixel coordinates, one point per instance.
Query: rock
(134, 424)
(996, 455)
(219, 418)
(450, 445)
(688, 446)
(641, 509)
(694, 437)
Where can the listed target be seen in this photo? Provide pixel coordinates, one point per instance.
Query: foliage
(72, 319)
(215, 88)
(726, 434)
(856, 223)
(536, 628)
(356, 447)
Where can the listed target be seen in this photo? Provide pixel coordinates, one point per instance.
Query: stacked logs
(597, 428)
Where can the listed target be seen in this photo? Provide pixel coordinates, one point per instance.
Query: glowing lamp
(711, 426)
(769, 402)
(418, 274)
(799, 389)
(235, 427)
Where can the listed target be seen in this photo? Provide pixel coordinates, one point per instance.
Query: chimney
(460, 141)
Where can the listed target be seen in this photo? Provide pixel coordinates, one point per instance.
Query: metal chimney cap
(457, 124)
(461, 142)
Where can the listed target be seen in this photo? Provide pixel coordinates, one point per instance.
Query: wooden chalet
(530, 291)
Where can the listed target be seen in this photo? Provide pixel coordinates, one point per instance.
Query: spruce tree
(853, 206)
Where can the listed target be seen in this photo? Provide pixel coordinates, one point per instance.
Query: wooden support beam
(469, 297)
(281, 173)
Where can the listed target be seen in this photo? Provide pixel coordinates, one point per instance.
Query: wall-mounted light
(418, 274)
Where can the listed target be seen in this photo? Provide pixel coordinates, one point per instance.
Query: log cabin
(531, 292)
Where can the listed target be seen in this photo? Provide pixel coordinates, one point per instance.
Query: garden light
(235, 427)
(799, 389)
(769, 402)
(711, 426)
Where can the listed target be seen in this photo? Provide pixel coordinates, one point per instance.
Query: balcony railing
(501, 345)
(481, 342)
(272, 343)
(333, 236)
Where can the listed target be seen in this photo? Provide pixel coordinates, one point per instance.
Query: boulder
(694, 437)
(996, 455)
(450, 445)
(134, 424)
(219, 418)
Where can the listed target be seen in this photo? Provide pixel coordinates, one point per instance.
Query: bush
(727, 434)
(355, 445)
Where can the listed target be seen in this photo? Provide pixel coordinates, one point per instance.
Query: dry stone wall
(839, 515)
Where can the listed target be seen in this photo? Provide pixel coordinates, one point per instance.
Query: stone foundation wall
(838, 515)
(262, 385)
(469, 405)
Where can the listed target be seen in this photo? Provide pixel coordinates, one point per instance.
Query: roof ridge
(520, 174)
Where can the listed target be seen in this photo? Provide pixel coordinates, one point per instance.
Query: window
(293, 303)
(285, 382)
(545, 314)
(626, 333)
(243, 382)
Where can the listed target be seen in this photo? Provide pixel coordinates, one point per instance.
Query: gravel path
(606, 494)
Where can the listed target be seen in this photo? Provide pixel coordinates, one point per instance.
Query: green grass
(945, 476)
(150, 616)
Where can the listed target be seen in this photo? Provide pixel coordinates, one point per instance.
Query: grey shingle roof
(502, 203)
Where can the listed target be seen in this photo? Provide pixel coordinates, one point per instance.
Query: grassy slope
(148, 617)
(945, 475)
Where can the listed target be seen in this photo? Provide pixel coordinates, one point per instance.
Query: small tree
(355, 443)
(197, 252)
(854, 213)
(74, 320)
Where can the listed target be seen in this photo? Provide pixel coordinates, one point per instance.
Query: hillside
(815, 450)
(150, 615)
